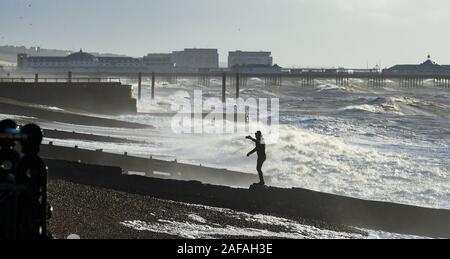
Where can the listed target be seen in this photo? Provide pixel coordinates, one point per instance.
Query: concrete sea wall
(98, 97)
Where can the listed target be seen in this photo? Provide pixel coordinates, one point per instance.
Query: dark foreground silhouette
(8, 156)
(24, 210)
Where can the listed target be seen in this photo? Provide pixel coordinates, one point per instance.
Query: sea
(386, 144)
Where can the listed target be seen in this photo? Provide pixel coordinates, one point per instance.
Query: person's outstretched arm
(252, 139)
(251, 152)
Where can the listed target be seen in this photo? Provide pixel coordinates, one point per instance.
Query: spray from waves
(325, 163)
(373, 108)
(318, 85)
(303, 158)
(383, 169)
(313, 160)
(330, 87)
(398, 105)
(163, 101)
(377, 105)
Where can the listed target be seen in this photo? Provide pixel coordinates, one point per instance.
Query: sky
(300, 33)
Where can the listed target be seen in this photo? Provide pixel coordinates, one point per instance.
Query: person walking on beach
(260, 149)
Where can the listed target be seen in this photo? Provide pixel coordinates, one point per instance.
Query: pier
(307, 77)
(99, 94)
(372, 78)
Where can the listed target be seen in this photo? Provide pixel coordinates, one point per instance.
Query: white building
(159, 62)
(196, 59)
(245, 58)
(83, 62)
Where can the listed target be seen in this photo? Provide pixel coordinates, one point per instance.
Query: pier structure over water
(308, 78)
(231, 80)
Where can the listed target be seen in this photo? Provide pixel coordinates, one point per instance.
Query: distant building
(257, 69)
(159, 62)
(83, 62)
(21, 61)
(158, 59)
(196, 59)
(427, 67)
(242, 58)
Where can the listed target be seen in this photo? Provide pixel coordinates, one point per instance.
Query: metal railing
(58, 80)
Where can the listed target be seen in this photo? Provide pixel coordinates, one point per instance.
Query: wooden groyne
(295, 202)
(60, 134)
(150, 167)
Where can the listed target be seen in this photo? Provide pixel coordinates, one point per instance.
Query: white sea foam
(329, 87)
(383, 144)
(336, 155)
(370, 108)
(195, 226)
(196, 231)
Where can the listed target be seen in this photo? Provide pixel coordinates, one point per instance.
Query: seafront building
(158, 62)
(187, 60)
(426, 68)
(83, 62)
(248, 58)
(196, 59)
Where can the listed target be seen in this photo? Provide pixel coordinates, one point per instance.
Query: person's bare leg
(260, 173)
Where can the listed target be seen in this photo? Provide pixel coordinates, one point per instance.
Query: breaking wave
(383, 144)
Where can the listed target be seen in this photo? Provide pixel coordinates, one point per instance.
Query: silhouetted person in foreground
(260, 149)
(31, 171)
(8, 156)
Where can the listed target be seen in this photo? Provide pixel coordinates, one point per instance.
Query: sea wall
(95, 97)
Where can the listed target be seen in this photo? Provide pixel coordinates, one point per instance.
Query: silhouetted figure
(8, 156)
(32, 172)
(260, 149)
